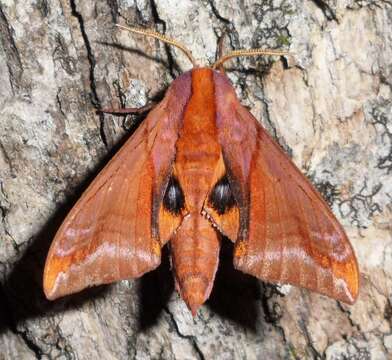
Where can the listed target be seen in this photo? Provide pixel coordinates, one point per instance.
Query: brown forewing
(287, 232)
(112, 232)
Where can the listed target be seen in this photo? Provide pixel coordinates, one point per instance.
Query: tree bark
(329, 105)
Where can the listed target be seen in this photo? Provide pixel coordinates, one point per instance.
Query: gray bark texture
(328, 104)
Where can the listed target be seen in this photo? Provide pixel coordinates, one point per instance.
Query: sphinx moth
(201, 168)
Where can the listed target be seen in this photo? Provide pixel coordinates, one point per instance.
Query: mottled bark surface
(329, 106)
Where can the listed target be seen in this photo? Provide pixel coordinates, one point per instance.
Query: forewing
(288, 234)
(112, 232)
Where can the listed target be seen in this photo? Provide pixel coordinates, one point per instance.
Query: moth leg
(220, 50)
(125, 111)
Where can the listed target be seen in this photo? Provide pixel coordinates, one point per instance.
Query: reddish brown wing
(112, 232)
(287, 232)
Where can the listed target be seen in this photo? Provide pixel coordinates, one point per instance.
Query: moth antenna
(161, 37)
(247, 52)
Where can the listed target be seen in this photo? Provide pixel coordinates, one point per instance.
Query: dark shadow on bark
(21, 295)
(156, 288)
(235, 294)
(259, 70)
(136, 51)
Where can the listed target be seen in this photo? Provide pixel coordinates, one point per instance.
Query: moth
(201, 168)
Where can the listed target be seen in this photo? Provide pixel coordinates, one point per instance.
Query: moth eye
(221, 197)
(174, 200)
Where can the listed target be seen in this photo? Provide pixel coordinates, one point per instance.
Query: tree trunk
(328, 104)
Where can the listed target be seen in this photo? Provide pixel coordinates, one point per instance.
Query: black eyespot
(174, 200)
(221, 197)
